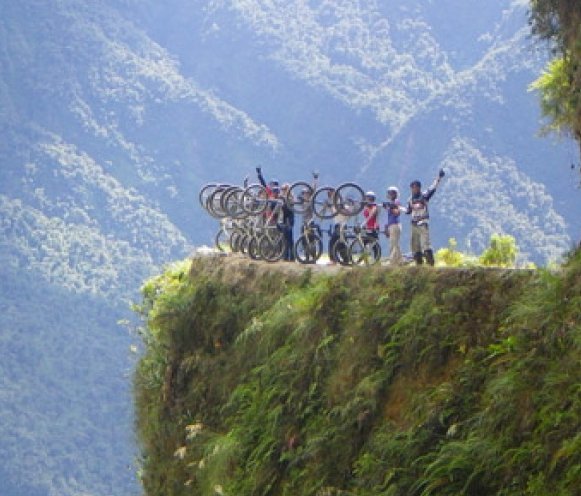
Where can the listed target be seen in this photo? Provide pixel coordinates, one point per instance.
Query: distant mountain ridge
(114, 112)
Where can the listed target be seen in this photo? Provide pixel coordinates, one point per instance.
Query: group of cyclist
(281, 214)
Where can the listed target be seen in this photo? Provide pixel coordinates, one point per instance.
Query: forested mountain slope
(114, 112)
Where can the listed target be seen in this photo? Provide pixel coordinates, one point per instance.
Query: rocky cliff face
(263, 380)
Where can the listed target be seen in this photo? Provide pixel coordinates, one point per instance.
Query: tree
(559, 22)
(502, 252)
(450, 256)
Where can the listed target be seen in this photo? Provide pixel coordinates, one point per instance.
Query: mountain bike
(222, 240)
(271, 244)
(365, 248)
(323, 203)
(309, 247)
(349, 199)
(254, 199)
(340, 249)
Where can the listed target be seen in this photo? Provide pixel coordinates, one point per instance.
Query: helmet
(274, 182)
(393, 189)
(416, 183)
(370, 194)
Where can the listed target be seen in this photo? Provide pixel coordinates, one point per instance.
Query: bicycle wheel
(214, 203)
(299, 197)
(205, 192)
(308, 249)
(254, 199)
(349, 199)
(244, 242)
(222, 241)
(253, 251)
(323, 203)
(232, 203)
(365, 251)
(341, 251)
(272, 246)
(235, 240)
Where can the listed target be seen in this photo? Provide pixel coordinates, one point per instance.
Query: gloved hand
(259, 169)
(316, 175)
(441, 174)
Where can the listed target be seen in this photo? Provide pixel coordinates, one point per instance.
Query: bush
(502, 252)
(450, 257)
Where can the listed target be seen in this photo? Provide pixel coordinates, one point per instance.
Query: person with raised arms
(418, 209)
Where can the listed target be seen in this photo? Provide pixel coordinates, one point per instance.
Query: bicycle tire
(272, 248)
(235, 239)
(365, 251)
(295, 197)
(253, 251)
(341, 251)
(205, 192)
(214, 203)
(232, 203)
(222, 240)
(254, 199)
(308, 251)
(323, 207)
(244, 242)
(349, 199)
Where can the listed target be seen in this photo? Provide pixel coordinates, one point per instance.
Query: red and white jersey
(371, 214)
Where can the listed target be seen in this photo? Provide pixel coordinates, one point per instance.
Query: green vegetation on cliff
(274, 381)
(558, 22)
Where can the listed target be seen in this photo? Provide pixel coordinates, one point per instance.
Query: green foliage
(366, 383)
(449, 256)
(558, 22)
(502, 252)
(559, 98)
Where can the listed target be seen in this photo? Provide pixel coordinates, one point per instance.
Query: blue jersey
(393, 212)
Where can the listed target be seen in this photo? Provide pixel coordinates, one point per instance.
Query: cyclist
(273, 183)
(393, 226)
(274, 209)
(339, 222)
(371, 214)
(288, 223)
(306, 197)
(418, 208)
(308, 222)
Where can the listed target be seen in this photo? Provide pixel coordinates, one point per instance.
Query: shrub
(449, 256)
(502, 252)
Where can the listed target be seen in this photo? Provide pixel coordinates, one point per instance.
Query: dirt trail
(241, 263)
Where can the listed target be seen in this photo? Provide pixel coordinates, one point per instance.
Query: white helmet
(371, 194)
(393, 189)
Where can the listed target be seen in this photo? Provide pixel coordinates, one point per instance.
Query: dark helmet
(274, 182)
(416, 183)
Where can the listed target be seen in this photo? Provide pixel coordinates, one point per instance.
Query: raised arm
(432, 189)
(260, 176)
(315, 183)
